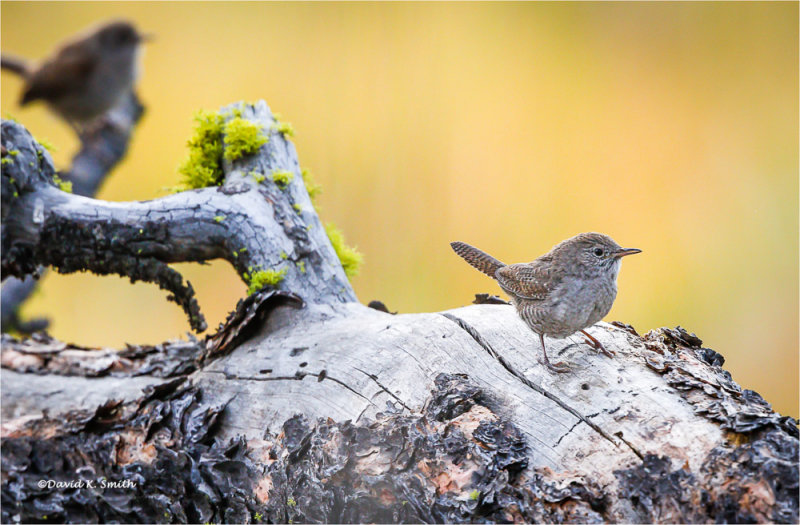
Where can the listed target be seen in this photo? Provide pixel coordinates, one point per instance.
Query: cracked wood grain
(375, 378)
(486, 346)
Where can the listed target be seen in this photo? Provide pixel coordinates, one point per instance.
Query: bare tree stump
(309, 407)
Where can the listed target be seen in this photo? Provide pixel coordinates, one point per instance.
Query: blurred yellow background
(672, 127)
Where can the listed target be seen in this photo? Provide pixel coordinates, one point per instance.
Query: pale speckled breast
(569, 308)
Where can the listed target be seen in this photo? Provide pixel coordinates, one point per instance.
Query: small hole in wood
(303, 364)
(265, 371)
(585, 386)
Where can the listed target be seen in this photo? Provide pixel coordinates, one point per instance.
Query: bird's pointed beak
(626, 251)
(147, 37)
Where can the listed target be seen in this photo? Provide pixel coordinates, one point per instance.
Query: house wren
(85, 77)
(562, 292)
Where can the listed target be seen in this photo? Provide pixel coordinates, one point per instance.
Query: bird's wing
(58, 76)
(529, 281)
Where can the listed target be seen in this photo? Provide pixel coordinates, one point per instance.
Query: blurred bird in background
(85, 77)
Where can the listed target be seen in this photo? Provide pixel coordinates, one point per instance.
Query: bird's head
(593, 253)
(119, 35)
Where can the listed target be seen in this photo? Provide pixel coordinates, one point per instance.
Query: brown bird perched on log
(85, 77)
(564, 291)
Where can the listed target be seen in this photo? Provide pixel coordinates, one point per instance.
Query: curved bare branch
(252, 221)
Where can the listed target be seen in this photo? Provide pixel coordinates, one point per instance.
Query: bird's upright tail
(477, 259)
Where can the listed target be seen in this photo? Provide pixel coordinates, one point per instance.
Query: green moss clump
(63, 185)
(311, 188)
(284, 255)
(214, 139)
(301, 266)
(297, 208)
(202, 167)
(474, 495)
(14, 152)
(7, 160)
(291, 502)
(284, 128)
(282, 178)
(263, 278)
(349, 256)
(219, 218)
(46, 144)
(258, 177)
(242, 137)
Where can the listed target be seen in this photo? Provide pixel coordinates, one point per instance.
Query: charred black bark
(156, 460)
(716, 395)
(755, 482)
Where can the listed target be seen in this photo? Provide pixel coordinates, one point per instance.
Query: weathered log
(331, 411)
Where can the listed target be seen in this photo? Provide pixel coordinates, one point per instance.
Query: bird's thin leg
(557, 367)
(597, 344)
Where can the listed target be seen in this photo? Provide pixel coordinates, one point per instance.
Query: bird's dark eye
(598, 252)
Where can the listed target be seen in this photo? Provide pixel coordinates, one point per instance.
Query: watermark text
(87, 484)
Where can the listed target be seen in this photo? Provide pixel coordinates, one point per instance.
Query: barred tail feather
(477, 259)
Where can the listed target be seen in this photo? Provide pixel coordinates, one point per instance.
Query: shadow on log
(309, 407)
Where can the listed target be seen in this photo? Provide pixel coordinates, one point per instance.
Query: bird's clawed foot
(597, 345)
(559, 368)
